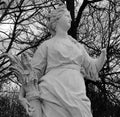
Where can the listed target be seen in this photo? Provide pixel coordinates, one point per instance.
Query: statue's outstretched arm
(101, 60)
(92, 65)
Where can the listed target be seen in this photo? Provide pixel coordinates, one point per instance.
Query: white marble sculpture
(57, 64)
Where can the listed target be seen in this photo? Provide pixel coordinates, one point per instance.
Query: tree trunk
(75, 21)
(71, 8)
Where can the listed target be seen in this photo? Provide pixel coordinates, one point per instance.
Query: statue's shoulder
(44, 44)
(79, 44)
(72, 39)
(47, 42)
(50, 42)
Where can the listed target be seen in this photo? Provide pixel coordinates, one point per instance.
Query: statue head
(54, 17)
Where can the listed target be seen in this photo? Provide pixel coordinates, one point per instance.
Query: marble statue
(58, 64)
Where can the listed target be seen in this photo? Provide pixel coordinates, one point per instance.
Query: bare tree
(96, 24)
(26, 22)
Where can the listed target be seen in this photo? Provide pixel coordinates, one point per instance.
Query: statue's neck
(61, 34)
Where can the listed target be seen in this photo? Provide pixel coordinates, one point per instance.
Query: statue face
(65, 21)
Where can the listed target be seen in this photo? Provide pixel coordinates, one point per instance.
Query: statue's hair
(54, 16)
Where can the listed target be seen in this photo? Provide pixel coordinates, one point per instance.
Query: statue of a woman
(57, 63)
